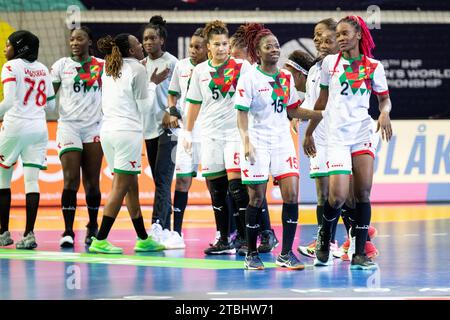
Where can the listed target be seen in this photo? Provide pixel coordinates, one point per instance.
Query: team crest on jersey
(226, 77)
(357, 73)
(281, 88)
(90, 73)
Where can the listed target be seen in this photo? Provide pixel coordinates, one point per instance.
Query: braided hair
(254, 33)
(366, 44)
(115, 49)
(213, 28)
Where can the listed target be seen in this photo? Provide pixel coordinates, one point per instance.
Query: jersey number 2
(41, 97)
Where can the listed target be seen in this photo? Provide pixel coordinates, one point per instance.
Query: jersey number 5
(215, 93)
(41, 97)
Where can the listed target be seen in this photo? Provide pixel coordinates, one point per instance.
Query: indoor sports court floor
(414, 257)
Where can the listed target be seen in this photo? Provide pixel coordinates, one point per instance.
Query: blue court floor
(414, 263)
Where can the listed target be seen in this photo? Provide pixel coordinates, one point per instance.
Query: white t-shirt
(152, 120)
(120, 109)
(33, 89)
(214, 89)
(311, 96)
(80, 91)
(350, 83)
(266, 97)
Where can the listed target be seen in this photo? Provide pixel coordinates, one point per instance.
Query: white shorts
(219, 157)
(186, 165)
(280, 161)
(122, 150)
(318, 164)
(339, 157)
(31, 147)
(70, 137)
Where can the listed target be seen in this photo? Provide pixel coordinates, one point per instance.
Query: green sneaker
(28, 242)
(104, 246)
(5, 239)
(148, 245)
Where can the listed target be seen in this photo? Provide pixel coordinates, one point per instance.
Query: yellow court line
(51, 218)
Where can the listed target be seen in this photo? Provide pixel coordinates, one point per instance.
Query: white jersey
(214, 89)
(266, 97)
(350, 83)
(120, 109)
(156, 112)
(311, 96)
(33, 90)
(80, 90)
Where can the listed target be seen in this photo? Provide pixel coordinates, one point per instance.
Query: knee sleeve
(31, 178)
(239, 192)
(218, 190)
(5, 178)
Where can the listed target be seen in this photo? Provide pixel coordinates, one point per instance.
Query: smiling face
(268, 50)
(347, 36)
(79, 42)
(318, 30)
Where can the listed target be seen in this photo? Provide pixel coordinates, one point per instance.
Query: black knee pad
(239, 192)
(218, 189)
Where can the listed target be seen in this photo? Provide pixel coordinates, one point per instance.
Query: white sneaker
(66, 242)
(335, 250)
(351, 248)
(156, 232)
(173, 240)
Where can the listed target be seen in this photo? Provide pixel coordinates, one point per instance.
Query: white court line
(147, 297)
(439, 234)
(411, 235)
(217, 293)
(383, 236)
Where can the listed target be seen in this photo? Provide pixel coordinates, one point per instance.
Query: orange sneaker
(372, 232)
(371, 250)
(309, 250)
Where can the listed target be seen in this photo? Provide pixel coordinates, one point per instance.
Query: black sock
(93, 203)
(138, 224)
(240, 196)
(348, 215)
(264, 217)
(251, 219)
(180, 200)
(289, 215)
(5, 207)
(363, 213)
(319, 214)
(232, 213)
(107, 223)
(69, 205)
(329, 216)
(218, 189)
(334, 227)
(32, 205)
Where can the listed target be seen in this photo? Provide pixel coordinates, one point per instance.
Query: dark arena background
(410, 193)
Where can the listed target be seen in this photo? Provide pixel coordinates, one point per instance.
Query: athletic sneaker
(372, 232)
(216, 239)
(221, 247)
(351, 248)
(289, 261)
(28, 242)
(90, 232)
(322, 247)
(362, 262)
(243, 250)
(172, 240)
(5, 239)
(156, 232)
(335, 250)
(253, 262)
(370, 250)
(238, 241)
(269, 241)
(66, 242)
(309, 250)
(104, 246)
(148, 245)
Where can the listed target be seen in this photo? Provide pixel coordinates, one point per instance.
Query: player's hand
(187, 142)
(384, 123)
(157, 78)
(294, 125)
(173, 122)
(309, 147)
(249, 153)
(166, 120)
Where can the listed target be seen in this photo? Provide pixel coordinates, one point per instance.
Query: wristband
(173, 111)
